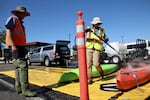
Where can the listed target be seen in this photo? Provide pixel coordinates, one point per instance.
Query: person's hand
(106, 40)
(14, 49)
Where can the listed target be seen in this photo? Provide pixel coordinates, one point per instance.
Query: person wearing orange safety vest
(16, 40)
(94, 47)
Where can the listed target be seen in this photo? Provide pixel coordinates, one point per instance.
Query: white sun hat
(96, 20)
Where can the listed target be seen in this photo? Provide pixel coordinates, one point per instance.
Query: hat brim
(93, 22)
(25, 13)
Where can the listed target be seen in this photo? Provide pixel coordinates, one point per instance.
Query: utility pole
(70, 40)
(122, 39)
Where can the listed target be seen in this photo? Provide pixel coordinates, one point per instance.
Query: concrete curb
(8, 85)
(11, 87)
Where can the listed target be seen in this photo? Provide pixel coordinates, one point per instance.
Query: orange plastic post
(84, 95)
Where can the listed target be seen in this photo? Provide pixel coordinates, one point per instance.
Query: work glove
(106, 40)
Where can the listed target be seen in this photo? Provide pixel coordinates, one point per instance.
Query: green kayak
(74, 73)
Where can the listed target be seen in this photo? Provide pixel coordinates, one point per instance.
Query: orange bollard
(84, 95)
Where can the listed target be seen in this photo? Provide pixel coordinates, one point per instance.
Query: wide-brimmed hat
(96, 20)
(20, 9)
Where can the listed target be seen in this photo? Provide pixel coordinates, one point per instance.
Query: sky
(51, 20)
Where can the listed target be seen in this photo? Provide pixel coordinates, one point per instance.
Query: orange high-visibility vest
(18, 34)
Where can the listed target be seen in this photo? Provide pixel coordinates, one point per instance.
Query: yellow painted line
(50, 75)
(41, 76)
(96, 94)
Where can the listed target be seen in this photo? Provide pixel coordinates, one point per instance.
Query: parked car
(58, 53)
(5, 53)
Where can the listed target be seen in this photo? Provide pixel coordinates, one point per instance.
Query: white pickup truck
(59, 53)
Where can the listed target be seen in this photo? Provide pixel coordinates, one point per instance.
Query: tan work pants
(93, 58)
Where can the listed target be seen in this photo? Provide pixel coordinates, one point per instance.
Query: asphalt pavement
(7, 90)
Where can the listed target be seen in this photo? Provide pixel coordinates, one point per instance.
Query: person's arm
(88, 29)
(10, 23)
(8, 34)
(105, 38)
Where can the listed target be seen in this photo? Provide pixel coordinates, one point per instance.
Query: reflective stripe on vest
(94, 44)
(18, 34)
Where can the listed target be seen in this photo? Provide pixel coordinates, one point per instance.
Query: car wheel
(106, 61)
(115, 59)
(46, 61)
(62, 62)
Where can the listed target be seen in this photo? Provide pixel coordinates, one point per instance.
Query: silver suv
(58, 53)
